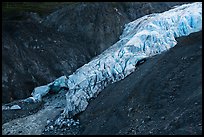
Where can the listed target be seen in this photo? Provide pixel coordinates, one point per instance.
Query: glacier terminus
(145, 37)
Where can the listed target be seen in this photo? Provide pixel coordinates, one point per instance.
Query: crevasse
(142, 38)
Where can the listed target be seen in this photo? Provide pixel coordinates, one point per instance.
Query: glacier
(145, 37)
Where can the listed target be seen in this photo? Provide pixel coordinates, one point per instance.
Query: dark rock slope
(34, 55)
(163, 96)
(37, 50)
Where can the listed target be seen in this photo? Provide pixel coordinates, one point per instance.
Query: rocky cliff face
(34, 55)
(35, 50)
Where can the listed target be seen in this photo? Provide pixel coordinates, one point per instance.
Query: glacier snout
(142, 38)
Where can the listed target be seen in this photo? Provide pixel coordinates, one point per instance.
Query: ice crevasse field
(145, 37)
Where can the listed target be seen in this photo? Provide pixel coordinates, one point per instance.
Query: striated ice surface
(142, 38)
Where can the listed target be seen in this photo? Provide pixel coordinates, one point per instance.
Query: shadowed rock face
(35, 53)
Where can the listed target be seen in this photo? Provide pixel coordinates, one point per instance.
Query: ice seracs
(142, 38)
